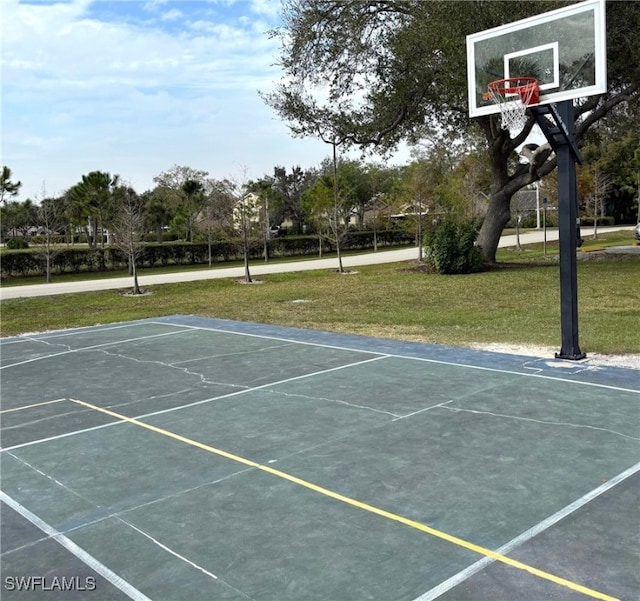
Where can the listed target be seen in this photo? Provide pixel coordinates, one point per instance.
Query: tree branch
(595, 109)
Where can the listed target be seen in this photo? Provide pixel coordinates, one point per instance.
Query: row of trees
(442, 179)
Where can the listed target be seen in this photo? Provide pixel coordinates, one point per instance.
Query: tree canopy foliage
(8, 188)
(373, 74)
(92, 199)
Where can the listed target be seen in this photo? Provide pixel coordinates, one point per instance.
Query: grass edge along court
(517, 303)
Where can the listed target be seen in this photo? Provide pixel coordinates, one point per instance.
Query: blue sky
(134, 87)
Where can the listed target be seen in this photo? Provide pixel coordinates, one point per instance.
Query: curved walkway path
(388, 256)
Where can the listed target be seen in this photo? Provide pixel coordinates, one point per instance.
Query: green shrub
(451, 249)
(52, 239)
(19, 263)
(17, 243)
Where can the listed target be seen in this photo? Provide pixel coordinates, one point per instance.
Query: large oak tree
(374, 73)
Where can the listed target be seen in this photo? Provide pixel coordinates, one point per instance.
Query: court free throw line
(358, 504)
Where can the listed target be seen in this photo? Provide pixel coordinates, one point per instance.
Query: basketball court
(192, 458)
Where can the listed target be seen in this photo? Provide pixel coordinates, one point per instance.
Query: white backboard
(565, 50)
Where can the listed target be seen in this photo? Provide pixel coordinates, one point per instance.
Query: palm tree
(93, 195)
(8, 189)
(193, 191)
(157, 210)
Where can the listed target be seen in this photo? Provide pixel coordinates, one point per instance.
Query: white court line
(41, 336)
(439, 405)
(262, 387)
(479, 565)
(195, 403)
(409, 357)
(79, 552)
(59, 436)
(167, 549)
(540, 421)
(378, 354)
(187, 327)
(90, 348)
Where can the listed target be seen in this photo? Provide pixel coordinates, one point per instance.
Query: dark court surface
(191, 458)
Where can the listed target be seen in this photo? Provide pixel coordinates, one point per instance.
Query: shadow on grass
(487, 267)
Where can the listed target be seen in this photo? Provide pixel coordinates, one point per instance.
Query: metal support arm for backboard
(556, 132)
(560, 134)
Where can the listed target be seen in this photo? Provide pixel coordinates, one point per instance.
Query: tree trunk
(245, 248)
(419, 233)
(101, 234)
(247, 274)
(503, 188)
(495, 220)
(48, 263)
(133, 269)
(136, 287)
(91, 233)
(335, 207)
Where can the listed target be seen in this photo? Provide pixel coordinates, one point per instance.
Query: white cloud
(172, 15)
(132, 92)
(266, 7)
(154, 5)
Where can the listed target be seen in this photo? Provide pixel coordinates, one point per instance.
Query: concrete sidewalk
(257, 269)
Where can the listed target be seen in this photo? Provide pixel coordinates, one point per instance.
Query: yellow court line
(364, 506)
(31, 406)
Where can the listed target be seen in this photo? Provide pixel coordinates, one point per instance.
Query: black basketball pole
(556, 122)
(568, 230)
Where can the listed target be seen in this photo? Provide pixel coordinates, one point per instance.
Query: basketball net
(513, 96)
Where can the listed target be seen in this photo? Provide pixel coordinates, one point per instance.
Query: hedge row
(22, 263)
(608, 220)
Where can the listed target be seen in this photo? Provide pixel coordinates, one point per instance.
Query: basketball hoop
(513, 96)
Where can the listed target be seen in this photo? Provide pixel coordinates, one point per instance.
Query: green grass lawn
(517, 303)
